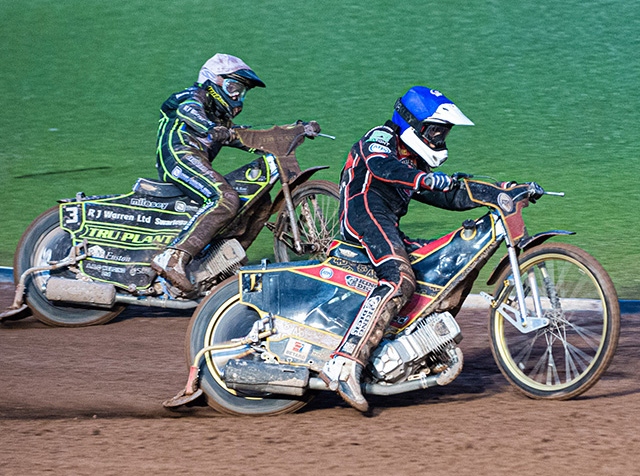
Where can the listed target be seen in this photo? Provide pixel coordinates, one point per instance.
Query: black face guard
(435, 135)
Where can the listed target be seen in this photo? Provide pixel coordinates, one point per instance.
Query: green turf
(551, 86)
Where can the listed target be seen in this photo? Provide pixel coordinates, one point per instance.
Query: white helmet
(230, 78)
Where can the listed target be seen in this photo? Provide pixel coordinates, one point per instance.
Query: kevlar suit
(379, 179)
(185, 151)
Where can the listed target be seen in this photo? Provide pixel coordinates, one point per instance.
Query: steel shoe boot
(170, 264)
(343, 375)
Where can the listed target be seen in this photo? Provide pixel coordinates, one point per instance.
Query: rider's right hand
(436, 182)
(311, 129)
(535, 191)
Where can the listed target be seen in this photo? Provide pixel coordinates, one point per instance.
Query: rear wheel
(44, 242)
(219, 319)
(316, 205)
(570, 354)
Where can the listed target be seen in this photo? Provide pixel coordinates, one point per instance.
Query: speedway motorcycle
(257, 343)
(82, 262)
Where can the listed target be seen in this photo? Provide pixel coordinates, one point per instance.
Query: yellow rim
(499, 327)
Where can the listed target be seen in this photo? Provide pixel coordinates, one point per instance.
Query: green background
(551, 86)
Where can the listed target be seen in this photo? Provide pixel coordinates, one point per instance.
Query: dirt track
(88, 401)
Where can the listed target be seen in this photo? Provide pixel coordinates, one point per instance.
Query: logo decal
(216, 96)
(143, 202)
(380, 137)
(359, 283)
(348, 253)
(364, 318)
(505, 202)
(375, 147)
(326, 273)
(297, 350)
(96, 252)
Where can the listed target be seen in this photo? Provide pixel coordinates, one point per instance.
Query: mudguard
(299, 180)
(523, 245)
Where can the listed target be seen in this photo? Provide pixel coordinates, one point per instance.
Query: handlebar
(459, 176)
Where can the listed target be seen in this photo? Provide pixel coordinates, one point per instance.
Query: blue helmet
(425, 117)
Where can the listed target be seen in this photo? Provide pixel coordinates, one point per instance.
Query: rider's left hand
(535, 191)
(506, 185)
(221, 134)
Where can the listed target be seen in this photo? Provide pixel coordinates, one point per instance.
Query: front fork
(521, 320)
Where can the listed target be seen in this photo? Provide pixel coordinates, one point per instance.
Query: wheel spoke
(582, 326)
(316, 206)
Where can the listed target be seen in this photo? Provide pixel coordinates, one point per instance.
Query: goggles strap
(407, 115)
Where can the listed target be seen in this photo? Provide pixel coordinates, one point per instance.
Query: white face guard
(434, 158)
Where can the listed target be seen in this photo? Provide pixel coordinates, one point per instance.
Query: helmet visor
(234, 89)
(435, 135)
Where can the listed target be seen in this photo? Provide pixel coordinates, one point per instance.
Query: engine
(423, 345)
(222, 259)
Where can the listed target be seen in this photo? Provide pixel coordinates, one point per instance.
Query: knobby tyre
(43, 242)
(568, 356)
(219, 319)
(316, 204)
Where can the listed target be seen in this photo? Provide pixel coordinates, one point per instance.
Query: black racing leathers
(378, 181)
(184, 155)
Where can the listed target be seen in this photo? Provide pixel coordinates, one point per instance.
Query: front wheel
(217, 321)
(568, 356)
(316, 206)
(44, 242)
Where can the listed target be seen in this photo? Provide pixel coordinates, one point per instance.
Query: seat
(348, 251)
(155, 188)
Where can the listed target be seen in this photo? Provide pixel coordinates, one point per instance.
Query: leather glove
(311, 129)
(535, 191)
(221, 134)
(436, 182)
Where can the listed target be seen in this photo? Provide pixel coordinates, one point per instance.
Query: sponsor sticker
(359, 283)
(505, 202)
(381, 137)
(297, 350)
(326, 273)
(364, 318)
(375, 147)
(96, 252)
(143, 202)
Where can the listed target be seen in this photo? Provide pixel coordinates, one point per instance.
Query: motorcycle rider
(384, 170)
(194, 125)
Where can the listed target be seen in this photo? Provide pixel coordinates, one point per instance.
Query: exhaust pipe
(70, 290)
(104, 295)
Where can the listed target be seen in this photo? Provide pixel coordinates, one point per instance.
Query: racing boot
(343, 375)
(171, 264)
(343, 372)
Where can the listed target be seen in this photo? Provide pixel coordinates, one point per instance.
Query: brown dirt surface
(88, 401)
